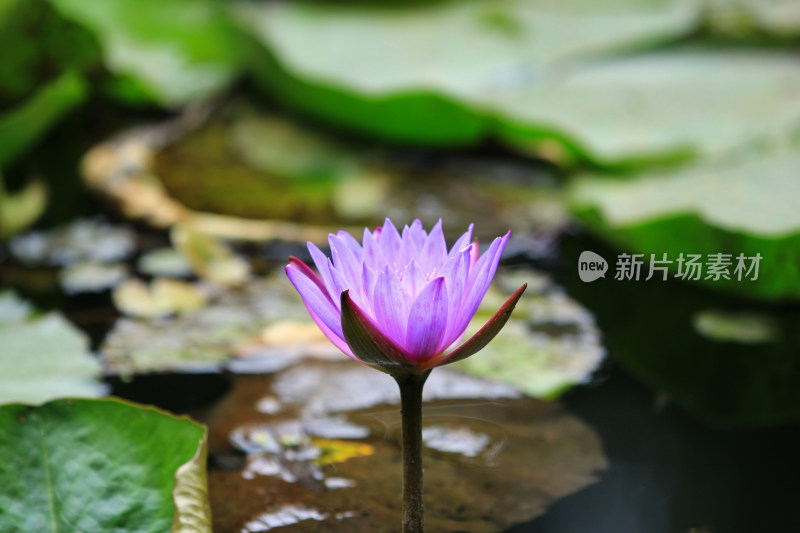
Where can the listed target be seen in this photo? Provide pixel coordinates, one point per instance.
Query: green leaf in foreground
(166, 51)
(96, 466)
(25, 124)
(42, 357)
(744, 203)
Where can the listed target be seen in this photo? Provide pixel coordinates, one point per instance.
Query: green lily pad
(549, 344)
(423, 74)
(168, 52)
(744, 203)
(666, 105)
(25, 124)
(101, 465)
(43, 357)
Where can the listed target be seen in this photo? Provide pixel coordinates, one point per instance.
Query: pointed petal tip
(484, 335)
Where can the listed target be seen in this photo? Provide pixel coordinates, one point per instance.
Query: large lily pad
(665, 105)
(170, 52)
(101, 465)
(744, 203)
(322, 439)
(424, 63)
(527, 72)
(43, 357)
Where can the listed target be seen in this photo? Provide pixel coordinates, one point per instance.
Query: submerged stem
(411, 412)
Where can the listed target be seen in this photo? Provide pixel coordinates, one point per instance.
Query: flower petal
(323, 265)
(373, 256)
(456, 275)
(413, 280)
(345, 260)
(391, 244)
(368, 342)
(462, 242)
(480, 277)
(314, 296)
(488, 332)
(391, 304)
(427, 321)
(416, 235)
(434, 253)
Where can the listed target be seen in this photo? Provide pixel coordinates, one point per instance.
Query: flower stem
(411, 412)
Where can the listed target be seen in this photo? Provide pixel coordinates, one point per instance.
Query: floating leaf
(91, 277)
(87, 240)
(743, 328)
(743, 203)
(531, 85)
(426, 66)
(549, 344)
(21, 209)
(664, 105)
(164, 262)
(42, 357)
(203, 339)
(23, 125)
(163, 297)
(210, 258)
(63, 462)
(166, 51)
(522, 455)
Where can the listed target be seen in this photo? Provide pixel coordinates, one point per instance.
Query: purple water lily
(400, 302)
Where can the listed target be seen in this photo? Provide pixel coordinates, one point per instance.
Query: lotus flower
(401, 302)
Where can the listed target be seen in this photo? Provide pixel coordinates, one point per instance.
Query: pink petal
(390, 303)
(416, 235)
(368, 342)
(434, 253)
(488, 332)
(323, 265)
(462, 242)
(427, 321)
(391, 244)
(373, 256)
(345, 260)
(314, 296)
(480, 277)
(413, 280)
(456, 274)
